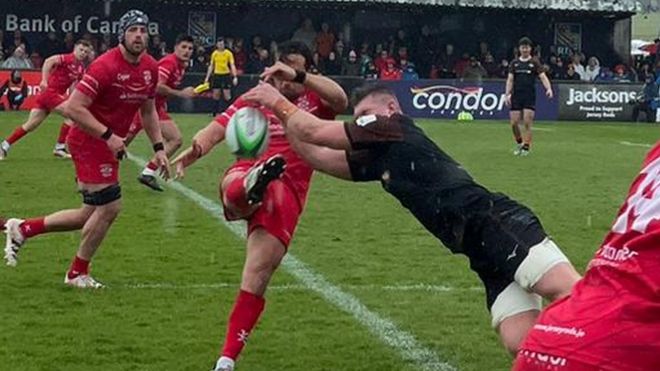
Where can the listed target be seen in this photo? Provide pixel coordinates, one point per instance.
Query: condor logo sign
(452, 100)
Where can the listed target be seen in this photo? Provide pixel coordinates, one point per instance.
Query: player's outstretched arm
(202, 143)
(327, 160)
(186, 93)
(50, 63)
(298, 123)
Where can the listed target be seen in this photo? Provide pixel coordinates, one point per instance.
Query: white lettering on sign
(47, 23)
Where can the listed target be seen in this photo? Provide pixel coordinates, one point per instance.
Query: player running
(171, 69)
(611, 320)
(58, 74)
(223, 69)
(504, 241)
(270, 196)
(116, 85)
(521, 94)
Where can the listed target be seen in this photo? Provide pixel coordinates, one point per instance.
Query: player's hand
(507, 100)
(264, 94)
(117, 146)
(163, 164)
(234, 81)
(549, 94)
(43, 85)
(188, 92)
(185, 158)
(280, 71)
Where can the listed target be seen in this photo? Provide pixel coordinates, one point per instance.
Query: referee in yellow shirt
(224, 73)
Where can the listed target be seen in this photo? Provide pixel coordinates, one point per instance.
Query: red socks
(152, 166)
(235, 195)
(33, 227)
(246, 313)
(16, 135)
(79, 267)
(64, 131)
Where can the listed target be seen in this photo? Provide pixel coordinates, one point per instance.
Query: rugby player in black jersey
(521, 94)
(503, 240)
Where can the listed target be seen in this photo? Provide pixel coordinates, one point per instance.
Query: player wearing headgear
(171, 69)
(503, 240)
(116, 85)
(262, 191)
(521, 94)
(58, 74)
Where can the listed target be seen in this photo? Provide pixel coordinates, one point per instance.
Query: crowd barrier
(574, 101)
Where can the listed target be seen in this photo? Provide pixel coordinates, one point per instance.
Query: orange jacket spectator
(325, 41)
(390, 72)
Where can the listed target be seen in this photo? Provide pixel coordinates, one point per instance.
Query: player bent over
(504, 241)
(171, 69)
(58, 74)
(265, 192)
(116, 85)
(611, 320)
(521, 94)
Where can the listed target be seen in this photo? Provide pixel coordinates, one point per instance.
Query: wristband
(300, 77)
(158, 147)
(284, 109)
(107, 134)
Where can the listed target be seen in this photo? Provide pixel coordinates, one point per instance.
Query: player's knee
(514, 328)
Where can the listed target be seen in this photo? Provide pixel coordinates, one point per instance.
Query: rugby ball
(247, 133)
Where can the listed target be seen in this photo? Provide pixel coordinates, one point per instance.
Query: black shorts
(221, 81)
(521, 101)
(494, 232)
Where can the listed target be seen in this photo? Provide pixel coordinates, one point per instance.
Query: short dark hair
(370, 89)
(85, 42)
(525, 41)
(220, 39)
(296, 47)
(184, 38)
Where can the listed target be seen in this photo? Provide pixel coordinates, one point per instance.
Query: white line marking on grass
(402, 341)
(423, 287)
(542, 129)
(645, 145)
(171, 213)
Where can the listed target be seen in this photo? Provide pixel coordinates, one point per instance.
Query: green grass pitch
(173, 269)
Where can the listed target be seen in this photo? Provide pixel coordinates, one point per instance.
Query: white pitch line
(422, 287)
(402, 341)
(542, 129)
(645, 145)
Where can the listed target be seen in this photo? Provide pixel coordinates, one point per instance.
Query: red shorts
(93, 160)
(533, 361)
(136, 124)
(49, 99)
(280, 211)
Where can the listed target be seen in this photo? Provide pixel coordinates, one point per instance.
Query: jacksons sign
(77, 24)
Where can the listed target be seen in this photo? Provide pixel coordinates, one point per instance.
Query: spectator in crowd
(370, 71)
(306, 34)
(621, 74)
(462, 64)
(483, 50)
(408, 71)
(391, 72)
(263, 61)
(490, 66)
(51, 45)
(656, 57)
(157, 47)
(365, 55)
(339, 50)
(19, 40)
(401, 54)
(346, 34)
(255, 46)
(425, 53)
(604, 75)
(577, 65)
(36, 60)
(474, 71)
(555, 69)
(592, 70)
(325, 41)
(381, 61)
(400, 41)
(330, 66)
(201, 61)
(644, 71)
(447, 62)
(571, 74)
(240, 56)
(274, 51)
(18, 60)
(503, 69)
(16, 89)
(69, 42)
(351, 66)
(648, 102)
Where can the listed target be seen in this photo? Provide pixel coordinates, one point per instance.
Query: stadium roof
(609, 6)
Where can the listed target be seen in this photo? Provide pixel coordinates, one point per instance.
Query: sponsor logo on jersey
(147, 77)
(544, 358)
(121, 77)
(106, 170)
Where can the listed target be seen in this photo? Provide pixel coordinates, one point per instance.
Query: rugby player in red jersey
(171, 69)
(116, 85)
(611, 320)
(270, 192)
(58, 74)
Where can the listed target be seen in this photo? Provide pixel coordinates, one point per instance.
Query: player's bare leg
(18, 230)
(60, 149)
(172, 139)
(36, 117)
(528, 120)
(264, 255)
(515, 118)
